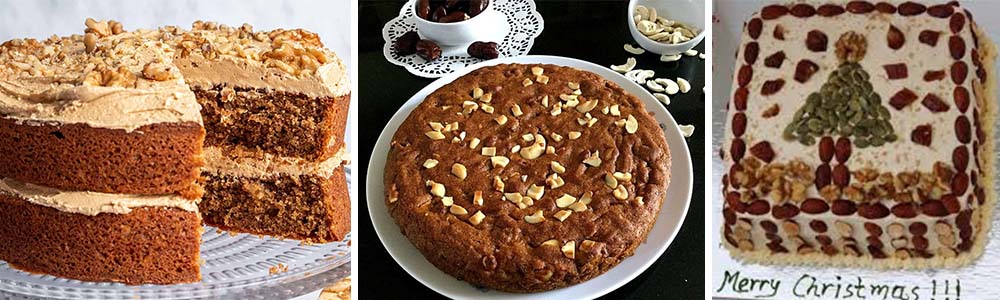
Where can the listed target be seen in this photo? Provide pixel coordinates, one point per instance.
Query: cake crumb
(279, 268)
(338, 291)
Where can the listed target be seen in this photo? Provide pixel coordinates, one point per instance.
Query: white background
(980, 280)
(330, 19)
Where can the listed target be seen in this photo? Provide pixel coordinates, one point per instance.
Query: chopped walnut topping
(158, 71)
(120, 77)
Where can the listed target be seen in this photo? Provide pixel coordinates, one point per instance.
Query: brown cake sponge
(147, 245)
(302, 207)
(152, 160)
(275, 122)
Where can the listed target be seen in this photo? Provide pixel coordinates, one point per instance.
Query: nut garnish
(536, 192)
(498, 183)
(447, 201)
(620, 193)
(489, 151)
(569, 249)
(458, 210)
(526, 82)
(430, 163)
(435, 135)
(594, 159)
(516, 110)
(499, 161)
(542, 79)
(615, 111)
(556, 137)
(537, 71)
(562, 215)
(557, 167)
(501, 119)
(578, 206)
(554, 181)
(565, 200)
(623, 176)
(535, 150)
(459, 170)
(437, 189)
(610, 181)
(535, 218)
(486, 108)
(550, 150)
(550, 243)
(631, 124)
(587, 106)
(477, 218)
(102, 76)
(158, 71)
(477, 198)
(474, 143)
(574, 135)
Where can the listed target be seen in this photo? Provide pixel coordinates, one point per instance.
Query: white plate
(668, 223)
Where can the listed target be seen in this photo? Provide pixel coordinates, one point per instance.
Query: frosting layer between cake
(222, 162)
(91, 203)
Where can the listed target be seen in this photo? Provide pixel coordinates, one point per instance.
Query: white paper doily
(518, 25)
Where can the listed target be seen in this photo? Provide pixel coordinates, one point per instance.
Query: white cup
(458, 33)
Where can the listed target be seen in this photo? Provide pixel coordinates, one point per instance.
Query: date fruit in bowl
(450, 11)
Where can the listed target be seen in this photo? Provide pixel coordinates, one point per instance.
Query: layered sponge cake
(275, 108)
(99, 159)
(860, 134)
(116, 146)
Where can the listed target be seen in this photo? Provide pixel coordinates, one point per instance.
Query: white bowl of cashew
(690, 12)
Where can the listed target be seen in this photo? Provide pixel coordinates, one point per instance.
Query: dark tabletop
(590, 30)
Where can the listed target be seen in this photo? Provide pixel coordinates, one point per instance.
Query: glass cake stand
(236, 266)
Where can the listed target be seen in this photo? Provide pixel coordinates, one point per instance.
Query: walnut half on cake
(860, 135)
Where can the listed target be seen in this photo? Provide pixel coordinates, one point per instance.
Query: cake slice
(860, 135)
(275, 108)
(100, 153)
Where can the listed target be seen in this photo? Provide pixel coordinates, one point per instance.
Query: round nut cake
(526, 178)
